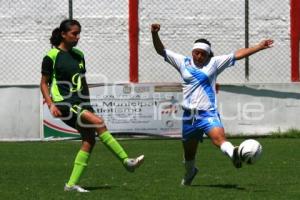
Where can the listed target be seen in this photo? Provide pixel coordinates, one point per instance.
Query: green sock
(113, 145)
(80, 164)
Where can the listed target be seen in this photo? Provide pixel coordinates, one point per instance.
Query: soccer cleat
(132, 163)
(236, 160)
(76, 188)
(187, 180)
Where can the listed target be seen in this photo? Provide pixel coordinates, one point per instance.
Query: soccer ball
(250, 151)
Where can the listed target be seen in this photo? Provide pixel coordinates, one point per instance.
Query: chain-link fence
(26, 27)
(224, 24)
(104, 39)
(270, 19)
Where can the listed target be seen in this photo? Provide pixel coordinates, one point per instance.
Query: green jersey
(67, 75)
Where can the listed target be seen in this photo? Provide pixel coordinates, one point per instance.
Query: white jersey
(199, 90)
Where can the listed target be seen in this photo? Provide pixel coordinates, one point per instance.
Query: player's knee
(99, 121)
(217, 136)
(88, 144)
(218, 140)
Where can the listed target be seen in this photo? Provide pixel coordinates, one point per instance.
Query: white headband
(203, 46)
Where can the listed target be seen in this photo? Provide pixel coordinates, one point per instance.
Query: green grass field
(38, 170)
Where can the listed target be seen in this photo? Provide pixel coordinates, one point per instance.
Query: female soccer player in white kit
(201, 116)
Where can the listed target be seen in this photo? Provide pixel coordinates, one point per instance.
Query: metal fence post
(70, 9)
(247, 38)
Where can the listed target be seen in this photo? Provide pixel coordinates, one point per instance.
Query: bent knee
(218, 140)
(99, 121)
(88, 145)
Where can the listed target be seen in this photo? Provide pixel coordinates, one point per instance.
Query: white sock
(227, 148)
(189, 166)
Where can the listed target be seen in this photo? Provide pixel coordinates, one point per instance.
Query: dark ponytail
(202, 40)
(56, 38)
(65, 26)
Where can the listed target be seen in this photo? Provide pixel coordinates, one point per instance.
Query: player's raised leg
(110, 142)
(217, 136)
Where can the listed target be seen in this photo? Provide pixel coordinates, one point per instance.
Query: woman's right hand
(155, 28)
(55, 111)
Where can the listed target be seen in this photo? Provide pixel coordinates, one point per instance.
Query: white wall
(259, 108)
(251, 109)
(222, 23)
(20, 113)
(26, 26)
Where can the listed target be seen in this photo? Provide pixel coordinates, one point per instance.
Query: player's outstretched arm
(242, 53)
(158, 45)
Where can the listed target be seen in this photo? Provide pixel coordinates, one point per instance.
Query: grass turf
(38, 170)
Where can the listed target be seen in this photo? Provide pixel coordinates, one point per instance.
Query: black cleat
(236, 160)
(187, 180)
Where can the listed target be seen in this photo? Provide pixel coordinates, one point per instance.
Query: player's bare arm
(158, 45)
(242, 53)
(45, 91)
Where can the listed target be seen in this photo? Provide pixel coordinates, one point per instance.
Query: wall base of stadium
(20, 113)
(259, 109)
(246, 109)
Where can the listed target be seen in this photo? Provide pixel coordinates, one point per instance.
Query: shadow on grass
(104, 187)
(224, 186)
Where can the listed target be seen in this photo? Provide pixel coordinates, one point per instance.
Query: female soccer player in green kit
(66, 93)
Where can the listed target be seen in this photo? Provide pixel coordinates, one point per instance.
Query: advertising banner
(139, 109)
